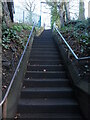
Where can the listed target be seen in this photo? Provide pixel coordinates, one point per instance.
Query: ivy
(79, 31)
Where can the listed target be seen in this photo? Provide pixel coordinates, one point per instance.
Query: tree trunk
(81, 10)
(61, 14)
(66, 6)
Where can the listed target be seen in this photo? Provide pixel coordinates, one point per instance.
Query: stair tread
(46, 65)
(45, 55)
(45, 62)
(45, 68)
(47, 89)
(45, 72)
(51, 115)
(48, 60)
(49, 102)
(62, 79)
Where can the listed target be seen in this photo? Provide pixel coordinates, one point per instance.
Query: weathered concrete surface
(0, 79)
(0, 21)
(0, 58)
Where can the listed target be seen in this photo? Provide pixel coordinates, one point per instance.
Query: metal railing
(4, 101)
(70, 49)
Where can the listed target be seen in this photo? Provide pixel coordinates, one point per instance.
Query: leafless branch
(29, 5)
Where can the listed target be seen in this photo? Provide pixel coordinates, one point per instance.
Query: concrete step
(48, 57)
(46, 83)
(46, 92)
(45, 49)
(48, 105)
(43, 75)
(51, 116)
(45, 67)
(45, 62)
(44, 53)
(43, 46)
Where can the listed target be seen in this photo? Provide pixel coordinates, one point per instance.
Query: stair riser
(45, 49)
(44, 118)
(47, 68)
(43, 46)
(46, 83)
(42, 58)
(44, 53)
(41, 94)
(43, 41)
(45, 75)
(45, 57)
(50, 109)
(45, 62)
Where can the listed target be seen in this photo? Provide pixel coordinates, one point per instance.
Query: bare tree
(66, 6)
(29, 5)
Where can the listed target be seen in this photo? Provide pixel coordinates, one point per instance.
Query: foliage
(55, 16)
(26, 27)
(11, 34)
(80, 32)
(7, 36)
(4, 26)
(20, 27)
(66, 28)
(17, 28)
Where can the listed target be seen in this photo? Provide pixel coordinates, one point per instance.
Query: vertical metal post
(40, 11)
(4, 114)
(89, 9)
(23, 16)
(68, 53)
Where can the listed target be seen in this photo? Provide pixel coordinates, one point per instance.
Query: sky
(45, 10)
(39, 10)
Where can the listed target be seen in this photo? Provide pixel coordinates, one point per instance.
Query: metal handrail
(76, 57)
(17, 69)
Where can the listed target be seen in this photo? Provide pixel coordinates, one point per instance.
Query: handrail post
(68, 54)
(4, 110)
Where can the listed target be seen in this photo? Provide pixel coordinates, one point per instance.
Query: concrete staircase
(47, 93)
